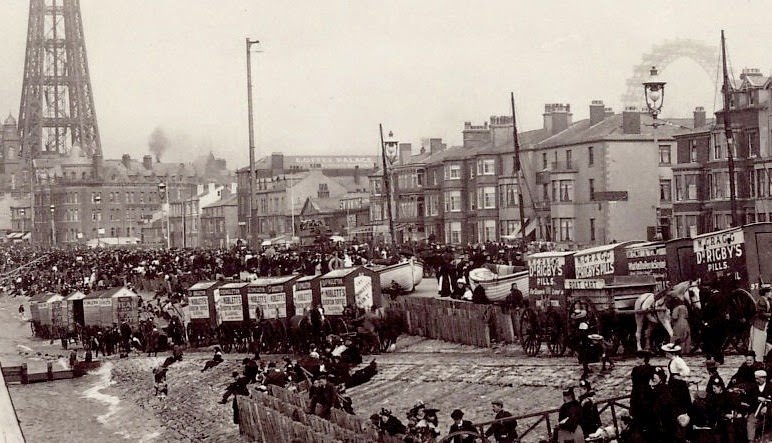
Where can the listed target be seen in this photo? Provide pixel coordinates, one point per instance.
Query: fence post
(49, 371)
(24, 374)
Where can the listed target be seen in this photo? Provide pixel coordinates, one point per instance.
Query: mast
(727, 90)
(387, 185)
(518, 171)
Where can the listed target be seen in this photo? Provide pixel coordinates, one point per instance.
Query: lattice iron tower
(57, 103)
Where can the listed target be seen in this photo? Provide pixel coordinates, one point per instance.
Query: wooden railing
(281, 416)
(457, 321)
(606, 408)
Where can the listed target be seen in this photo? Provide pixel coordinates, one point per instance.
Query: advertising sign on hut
(648, 259)
(601, 261)
(333, 291)
(547, 271)
(230, 307)
(303, 294)
(720, 251)
(363, 291)
(91, 310)
(124, 310)
(57, 314)
(198, 306)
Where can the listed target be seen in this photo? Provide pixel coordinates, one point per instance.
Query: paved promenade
(10, 430)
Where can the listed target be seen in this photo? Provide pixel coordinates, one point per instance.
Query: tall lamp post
(22, 224)
(163, 191)
(389, 152)
(654, 95)
(251, 140)
(53, 229)
(97, 201)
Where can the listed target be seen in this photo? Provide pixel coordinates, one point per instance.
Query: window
(569, 163)
(566, 190)
(432, 205)
(752, 183)
(691, 187)
(592, 229)
(420, 177)
(761, 177)
(487, 230)
(564, 229)
(453, 232)
(718, 150)
(679, 188)
(453, 171)
(486, 166)
(753, 143)
(507, 196)
(375, 185)
(592, 188)
(590, 156)
(471, 170)
(665, 191)
(693, 152)
(544, 160)
(486, 197)
(545, 192)
(453, 201)
(472, 201)
(664, 154)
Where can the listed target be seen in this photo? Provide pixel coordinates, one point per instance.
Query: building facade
(701, 176)
(219, 223)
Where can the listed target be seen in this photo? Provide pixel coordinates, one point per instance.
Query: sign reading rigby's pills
(549, 270)
(720, 251)
(594, 264)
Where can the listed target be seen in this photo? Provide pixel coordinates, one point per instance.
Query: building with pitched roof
(701, 176)
(219, 223)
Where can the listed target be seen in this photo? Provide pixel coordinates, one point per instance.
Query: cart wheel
(530, 340)
(556, 334)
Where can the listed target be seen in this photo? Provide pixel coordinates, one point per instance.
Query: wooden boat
(400, 275)
(418, 271)
(497, 287)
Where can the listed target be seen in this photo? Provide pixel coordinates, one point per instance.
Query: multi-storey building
(341, 214)
(602, 179)
(281, 179)
(701, 176)
(219, 222)
(185, 214)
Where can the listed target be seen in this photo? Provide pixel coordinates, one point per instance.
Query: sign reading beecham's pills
(721, 251)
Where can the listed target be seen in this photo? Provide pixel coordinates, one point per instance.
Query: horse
(651, 309)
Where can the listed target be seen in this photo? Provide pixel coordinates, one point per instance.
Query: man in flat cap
(464, 428)
(502, 431)
(758, 399)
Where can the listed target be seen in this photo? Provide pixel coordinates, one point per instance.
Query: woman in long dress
(682, 334)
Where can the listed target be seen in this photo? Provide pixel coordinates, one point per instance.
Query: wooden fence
(280, 417)
(458, 321)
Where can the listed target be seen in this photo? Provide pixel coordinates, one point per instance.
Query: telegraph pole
(251, 140)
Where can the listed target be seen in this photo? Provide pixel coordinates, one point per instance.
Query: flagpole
(518, 173)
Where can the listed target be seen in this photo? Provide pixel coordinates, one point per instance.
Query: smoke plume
(158, 143)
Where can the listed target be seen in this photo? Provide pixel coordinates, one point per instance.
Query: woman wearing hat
(569, 429)
(461, 431)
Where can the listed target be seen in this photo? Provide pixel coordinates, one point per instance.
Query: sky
(328, 72)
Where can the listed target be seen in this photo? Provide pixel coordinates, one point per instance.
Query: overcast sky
(331, 71)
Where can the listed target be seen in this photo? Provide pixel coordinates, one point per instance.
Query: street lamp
(654, 95)
(22, 225)
(654, 92)
(53, 230)
(97, 201)
(388, 151)
(163, 192)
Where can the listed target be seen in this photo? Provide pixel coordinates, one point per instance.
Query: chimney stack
(98, 163)
(356, 174)
(557, 117)
(147, 162)
(631, 120)
(699, 117)
(405, 151)
(126, 160)
(608, 111)
(436, 145)
(597, 112)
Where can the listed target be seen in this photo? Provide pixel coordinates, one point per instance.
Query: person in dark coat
(569, 429)
(744, 377)
(388, 423)
(640, 375)
(250, 369)
(274, 376)
(663, 423)
(713, 378)
(502, 432)
(459, 424)
(236, 388)
(590, 416)
(323, 397)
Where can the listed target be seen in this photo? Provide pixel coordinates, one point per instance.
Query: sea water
(75, 410)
